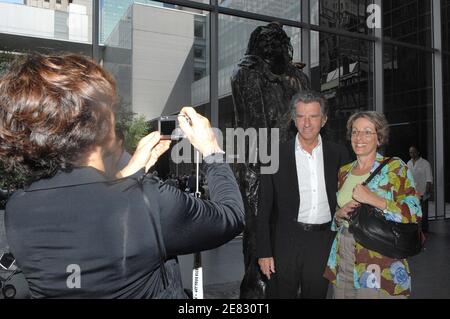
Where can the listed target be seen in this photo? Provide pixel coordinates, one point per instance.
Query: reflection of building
(287, 9)
(63, 20)
(61, 5)
(407, 78)
(343, 73)
(343, 69)
(346, 14)
(234, 34)
(408, 21)
(157, 53)
(233, 37)
(113, 11)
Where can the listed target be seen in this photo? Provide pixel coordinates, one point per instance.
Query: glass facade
(445, 8)
(408, 103)
(286, 9)
(165, 56)
(112, 11)
(64, 20)
(342, 69)
(409, 100)
(408, 21)
(234, 34)
(349, 15)
(160, 57)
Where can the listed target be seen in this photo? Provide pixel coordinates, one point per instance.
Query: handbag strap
(375, 172)
(154, 214)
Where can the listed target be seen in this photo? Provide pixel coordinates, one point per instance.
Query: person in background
(171, 180)
(355, 271)
(192, 182)
(205, 189)
(423, 178)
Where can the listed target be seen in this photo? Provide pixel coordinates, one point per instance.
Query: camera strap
(197, 272)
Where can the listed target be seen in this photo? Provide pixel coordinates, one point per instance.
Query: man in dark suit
(297, 204)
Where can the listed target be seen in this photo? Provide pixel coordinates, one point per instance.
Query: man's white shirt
(314, 207)
(421, 171)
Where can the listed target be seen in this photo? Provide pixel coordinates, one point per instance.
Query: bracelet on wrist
(212, 152)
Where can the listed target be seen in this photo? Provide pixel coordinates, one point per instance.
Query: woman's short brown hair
(53, 109)
(378, 119)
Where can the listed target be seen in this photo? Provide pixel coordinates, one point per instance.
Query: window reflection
(58, 20)
(160, 65)
(409, 103)
(408, 21)
(342, 69)
(286, 9)
(349, 15)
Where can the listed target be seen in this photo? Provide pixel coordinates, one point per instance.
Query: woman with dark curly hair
(73, 232)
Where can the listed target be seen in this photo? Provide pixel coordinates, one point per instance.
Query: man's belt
(314, 227)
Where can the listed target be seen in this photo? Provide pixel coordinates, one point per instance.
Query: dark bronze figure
(262, 86)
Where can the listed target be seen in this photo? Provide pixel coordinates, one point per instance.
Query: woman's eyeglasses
(365, 133)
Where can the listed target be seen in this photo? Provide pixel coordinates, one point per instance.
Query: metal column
(378, 61)
(306, 36)
(214, 69)
(438, 84)
(95, 29)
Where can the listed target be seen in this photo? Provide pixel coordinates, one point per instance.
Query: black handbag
(389, 238)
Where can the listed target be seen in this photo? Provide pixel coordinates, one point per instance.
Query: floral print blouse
(372, 270)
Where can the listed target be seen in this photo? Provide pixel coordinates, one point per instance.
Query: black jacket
(279, 200)
(105, 229)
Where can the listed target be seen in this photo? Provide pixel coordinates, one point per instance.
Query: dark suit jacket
(279, 200)
(105, 229)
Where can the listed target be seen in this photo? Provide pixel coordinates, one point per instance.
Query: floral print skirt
(345, 288)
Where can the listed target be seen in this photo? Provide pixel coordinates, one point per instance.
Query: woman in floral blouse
(355, 271)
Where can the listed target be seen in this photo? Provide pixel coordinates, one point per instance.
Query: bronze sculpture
(262, 87)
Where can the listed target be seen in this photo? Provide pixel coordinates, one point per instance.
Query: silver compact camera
(169, 128)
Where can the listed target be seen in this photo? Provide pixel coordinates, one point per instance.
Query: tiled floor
(431, 268)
